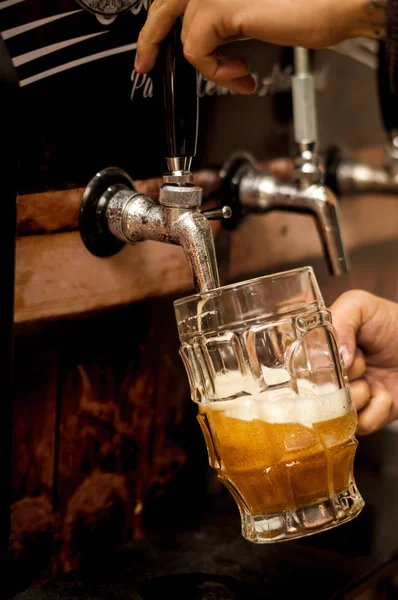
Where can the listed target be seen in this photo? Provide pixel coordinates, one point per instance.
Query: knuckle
(367, 426)
(366, 430)
(189, 52)
(358, 296)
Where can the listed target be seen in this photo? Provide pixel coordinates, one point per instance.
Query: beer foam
(313, 403)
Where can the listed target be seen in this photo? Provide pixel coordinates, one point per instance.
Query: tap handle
(180, 102)
(304, 101)
(388, 101)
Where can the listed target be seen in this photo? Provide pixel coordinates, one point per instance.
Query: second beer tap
(251, 190)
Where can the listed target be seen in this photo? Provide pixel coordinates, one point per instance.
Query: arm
(210, 24)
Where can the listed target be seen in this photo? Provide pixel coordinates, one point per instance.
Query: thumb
(349, 313)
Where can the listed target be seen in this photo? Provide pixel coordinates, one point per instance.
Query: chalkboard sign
(84, 107)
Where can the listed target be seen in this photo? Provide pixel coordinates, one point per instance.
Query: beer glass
(274, 403)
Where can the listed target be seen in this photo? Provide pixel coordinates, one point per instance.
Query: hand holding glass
(274, 403)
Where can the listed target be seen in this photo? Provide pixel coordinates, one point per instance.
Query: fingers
(160, 20)
(350, 312)
(202, 35)
(232, 73)
(360, 393)
(358, 367)
(374, 404)
(376, 412)
(201, 41)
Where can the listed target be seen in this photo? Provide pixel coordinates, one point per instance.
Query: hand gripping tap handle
(180, 103)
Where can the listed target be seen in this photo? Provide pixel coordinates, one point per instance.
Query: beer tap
(347, 176)
(246, 189)
(114, 213)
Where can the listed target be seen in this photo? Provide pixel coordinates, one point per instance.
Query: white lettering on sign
(143, 83)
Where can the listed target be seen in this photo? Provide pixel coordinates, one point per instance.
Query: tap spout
(260, 192)
(194, 234)
(133, 217)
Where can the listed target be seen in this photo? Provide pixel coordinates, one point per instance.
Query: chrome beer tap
(347, 176)
(114, 213)
(249, 190)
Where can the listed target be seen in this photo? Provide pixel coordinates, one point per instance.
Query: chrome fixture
(114, 213)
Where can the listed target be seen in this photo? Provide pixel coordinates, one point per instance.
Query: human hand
(367, 330)
(210, 24)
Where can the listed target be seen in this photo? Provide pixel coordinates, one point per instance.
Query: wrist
(367, 19)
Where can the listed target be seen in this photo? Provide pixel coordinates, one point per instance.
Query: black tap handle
(180, 97)
(388, 101)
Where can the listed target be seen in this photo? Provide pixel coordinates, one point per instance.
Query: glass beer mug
(274, 403)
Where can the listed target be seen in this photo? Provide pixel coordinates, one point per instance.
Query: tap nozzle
(253, 191)
(113, 213)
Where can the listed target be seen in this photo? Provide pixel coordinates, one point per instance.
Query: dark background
(82, 118)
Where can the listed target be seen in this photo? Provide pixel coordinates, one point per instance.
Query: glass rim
(240, 284)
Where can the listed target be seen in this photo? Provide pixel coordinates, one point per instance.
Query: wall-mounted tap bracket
(93, 222)
(228, 192)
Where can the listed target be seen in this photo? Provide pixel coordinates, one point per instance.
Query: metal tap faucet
(114, 213)
(347, 176)
(312, 194)
(250, 190)
(262, 193)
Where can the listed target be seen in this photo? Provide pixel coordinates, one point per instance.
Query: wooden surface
(96, 435)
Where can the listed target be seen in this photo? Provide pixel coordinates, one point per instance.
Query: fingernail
(248, 84)
(345, 354)
(255, 79)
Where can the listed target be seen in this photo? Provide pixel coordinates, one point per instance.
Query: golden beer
(274, 404)
(271, 464)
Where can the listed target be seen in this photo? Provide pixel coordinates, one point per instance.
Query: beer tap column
(114, 213)
(250, 190)
(308, 170)
(307, 167)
